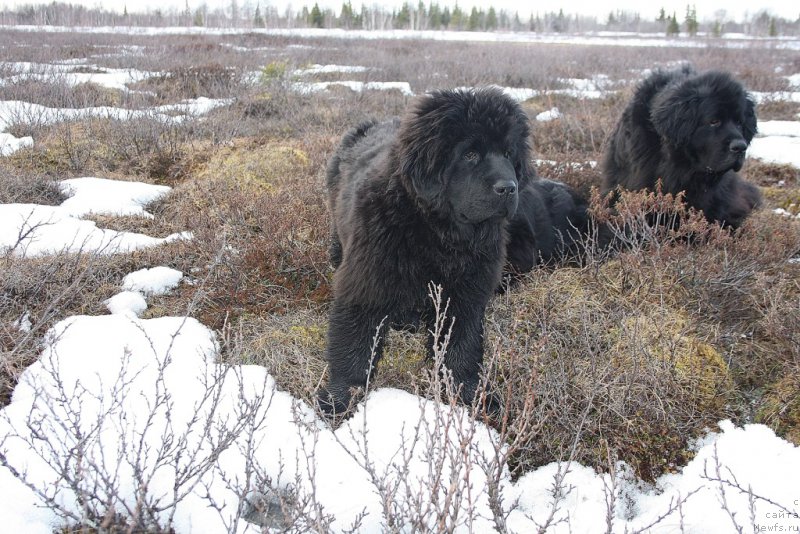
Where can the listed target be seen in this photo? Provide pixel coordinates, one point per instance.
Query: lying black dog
(690, 131)
(549, 227)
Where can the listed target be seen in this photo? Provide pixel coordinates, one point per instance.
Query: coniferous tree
(672, 26)
(491, 20)
(346, 17)
(662, 16)
(446, 17)
(474, 23)
(434, 16)
(691, 21)
(258, 20)
(457, 18)
(403, 17)
(316, 18)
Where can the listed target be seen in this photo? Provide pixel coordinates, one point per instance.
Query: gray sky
(734, 9)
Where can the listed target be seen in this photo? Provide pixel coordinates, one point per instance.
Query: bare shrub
(22, 187)
(212, 80)
(273, 243)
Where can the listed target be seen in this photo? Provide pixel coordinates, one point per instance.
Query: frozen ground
(117, 403)
(34, 230)
(777, 142)
(628, 39)
(13, 112)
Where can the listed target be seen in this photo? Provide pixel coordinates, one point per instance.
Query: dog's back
(633, 149)
(351, 162)
(548, 224)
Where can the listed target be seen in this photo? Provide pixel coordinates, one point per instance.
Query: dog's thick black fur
(421, 200)
(690, 130)
(548, 228)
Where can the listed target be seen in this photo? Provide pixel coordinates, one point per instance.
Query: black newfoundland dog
(421, 200)
(690, 130)
(549, 227)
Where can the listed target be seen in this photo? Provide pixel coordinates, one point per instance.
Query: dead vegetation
(630, 357)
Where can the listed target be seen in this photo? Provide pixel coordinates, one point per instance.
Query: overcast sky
(735, 9)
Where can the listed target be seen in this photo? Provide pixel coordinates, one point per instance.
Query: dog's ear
(523, 165)
(750, 123)
(674, 116)
(423, 149)
(420, 166)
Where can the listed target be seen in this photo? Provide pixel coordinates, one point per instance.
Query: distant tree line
(413, 16)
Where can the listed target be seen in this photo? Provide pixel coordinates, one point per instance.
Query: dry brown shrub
(634, 357)
(211, 80)
(771, 174)
(619, 370)
(266, 240)
(777, 110)
(18, 186)
(581, 129)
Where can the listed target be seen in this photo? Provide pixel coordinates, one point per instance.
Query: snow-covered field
(627, 39)
(139, 411)
(115, 397)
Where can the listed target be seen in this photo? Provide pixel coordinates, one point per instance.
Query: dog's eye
(471, 156)
(715, 123)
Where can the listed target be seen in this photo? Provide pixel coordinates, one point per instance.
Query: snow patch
(109, 197)
(155, 281)
(777, 142)
(127, 302)
(307, 88)
(147, 385)
(34, 230)
(549, 115)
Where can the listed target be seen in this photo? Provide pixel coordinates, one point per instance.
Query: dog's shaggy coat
(690, 131)
(421, 200)
(550, 223)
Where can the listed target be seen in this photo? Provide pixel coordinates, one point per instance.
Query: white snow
(15, 111)
(627, 39)
(109, 197)
(579, 90)
(549, 115)
(784, 213)
(142, 387)
(777, 142)
(127, 302)
(64, 73)
(155, 281)
(329, 69)
(24, 324)
(34, 230)
(10, 144)
(358, 87)
(775, 96)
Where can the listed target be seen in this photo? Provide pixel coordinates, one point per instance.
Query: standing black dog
(414, 201)
(690, 130)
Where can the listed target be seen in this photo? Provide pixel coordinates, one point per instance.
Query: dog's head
(706, 119)
(464, 154)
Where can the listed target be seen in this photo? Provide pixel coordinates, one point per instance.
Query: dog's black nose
(738, 146)
(505, 187)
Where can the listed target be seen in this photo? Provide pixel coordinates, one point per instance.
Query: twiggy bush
(271, 239)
